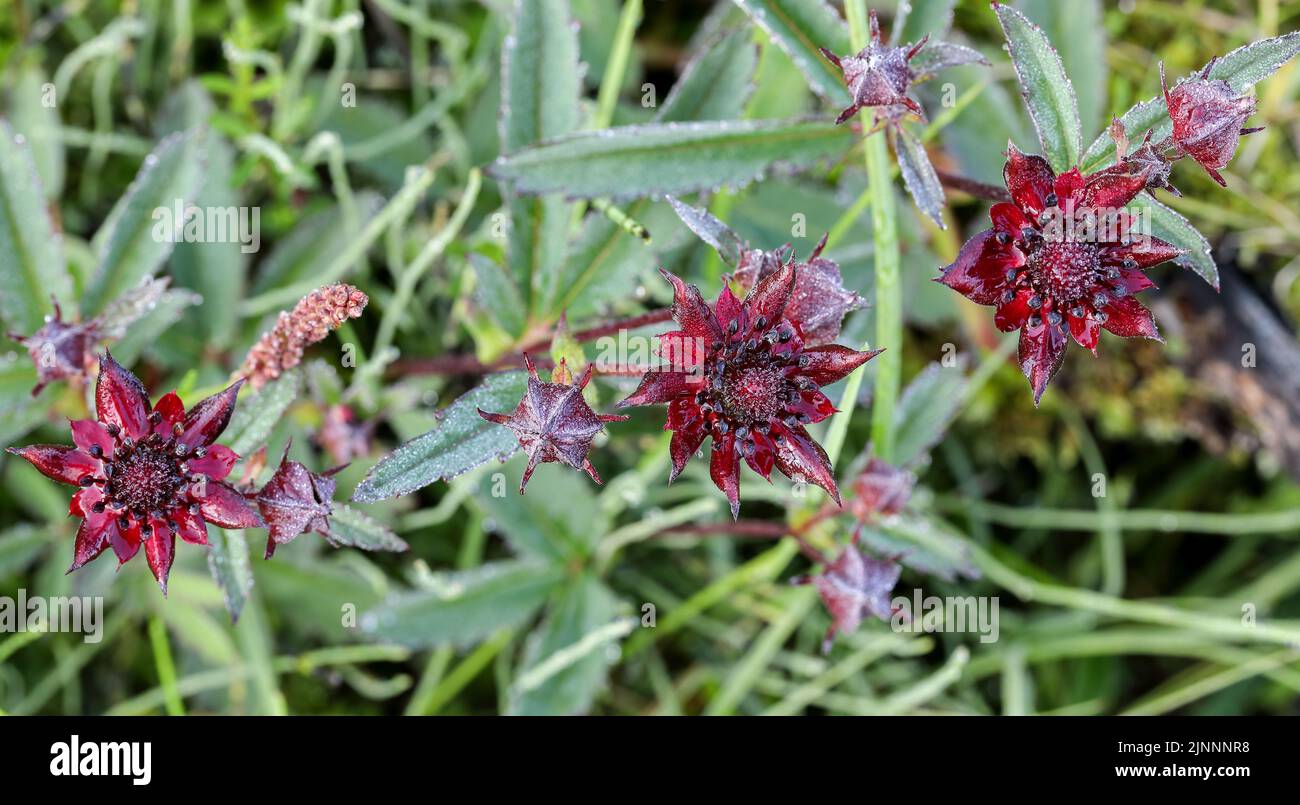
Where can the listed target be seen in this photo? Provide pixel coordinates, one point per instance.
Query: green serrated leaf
(799, 28)
(1176, 230)
(539, 231)
(462, 441)
(31, 262)
(228, 563)
(715, 84)
(134, 246)
(669, 159)
(541, 84)
(256, 415)
(353, 529)
(563, 670)
(1243, 68)
(1047, 89)
(465, 607)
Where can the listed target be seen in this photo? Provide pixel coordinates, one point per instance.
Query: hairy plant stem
(884, 233)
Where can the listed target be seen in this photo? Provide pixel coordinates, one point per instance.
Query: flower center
(752, 392)
(147, 479)
(1064, 271)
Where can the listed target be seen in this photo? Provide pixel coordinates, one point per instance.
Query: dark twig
(973, 188)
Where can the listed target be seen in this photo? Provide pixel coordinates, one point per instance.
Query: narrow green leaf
(926, 408)
(919, 18)
(557, 521)
(669, 159)
(539, 231)
(19, 546)
(1243, 68)
(923, 544)
(465, 607)
(256, 415)
(462, 441)
(34, 114)
(31, 262)
(709, 229)
(541, 85)
(1080, 36)
(799, 28)
(228, 563)
(353, 529)
(496, 292)
(312, 243)
(1173, 228)
(563, 670)
(138, 241)
(715, 83)
(1047, 89)
(919, 176)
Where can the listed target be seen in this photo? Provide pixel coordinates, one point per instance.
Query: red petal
(1008, 218)
(92, 539)
(1086, 331)
(120, 398)
(209, 418)
(682, 352)
(87, 433)
(813, 404)
(729, 309)
(125, 543)
(1012, 315)
(768, 298)
(159, 551)
(682, 447)
(172, 410)
(58, 462)
(684, 414)
(1146, 251)
(1112, 190)
(979, 272)
(216, 464)
(802, 459)
(658, 387)
(691, 311)
(1134, 280)
(191, 527)
(1029, 179)
(832, 362)
(762, 458)
(1066, 185)
(724, 469)
(1129, 318)
(1042, 349)
(223, 506)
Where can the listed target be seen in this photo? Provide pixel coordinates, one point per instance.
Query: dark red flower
(554, 423)
(296, 501)
(146, 476)
(60, 349)
(742, 374)
(880, 490)
(880, 75)
(1045, 277)
(854, 587)
(819, 300)
(1207, 116)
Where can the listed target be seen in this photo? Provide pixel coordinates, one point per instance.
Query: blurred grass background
(1199, 457)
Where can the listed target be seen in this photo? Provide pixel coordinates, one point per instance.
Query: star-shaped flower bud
(296, 501)
(880, 75)
(1207, 116)
(819, 300)
(554, 423)
(881, 490)
(60, 349)
(854, 587)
